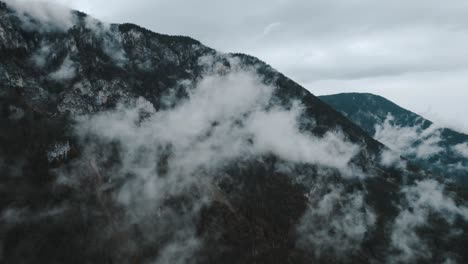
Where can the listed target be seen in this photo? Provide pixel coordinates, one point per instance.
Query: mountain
(121, 145)
(439, 150)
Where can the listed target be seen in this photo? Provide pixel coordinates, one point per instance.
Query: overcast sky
(414, 52)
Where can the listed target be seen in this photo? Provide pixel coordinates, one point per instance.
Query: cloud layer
(52, 15)
(416, 141)
(180, 152)
(424, 202)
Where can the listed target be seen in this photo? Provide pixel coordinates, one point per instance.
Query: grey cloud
(461, 149)
(181, 151)
(15, 113)
(52, 16)
(391, 158)
(66, 71)
(423, 199)
(409, 141)
(222, 101)
(180, 251)
(40, 58)
(110, 37)
(336, 222)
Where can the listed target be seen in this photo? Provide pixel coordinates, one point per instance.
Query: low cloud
(41, 57)
(423, 201)
(336, 222)
(227, 117)
(51, 16)
(66, 71)
(414, 141)
(110, 39)
(391, 158)
(461, 149)
(12, 215)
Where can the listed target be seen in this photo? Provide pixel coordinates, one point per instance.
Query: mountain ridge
(373, 112)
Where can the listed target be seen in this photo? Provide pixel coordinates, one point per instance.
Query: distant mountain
(121, 145)
(439, 150)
